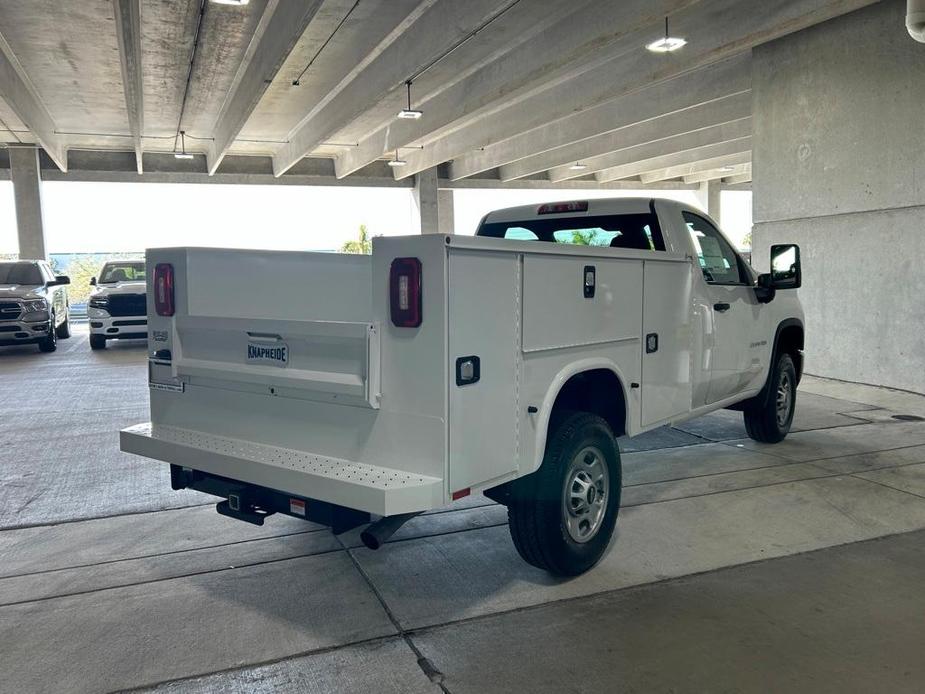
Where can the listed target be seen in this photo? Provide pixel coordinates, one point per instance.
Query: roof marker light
(562, 207)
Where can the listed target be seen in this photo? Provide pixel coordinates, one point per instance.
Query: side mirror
(60, 280)
(786, 272)
(93, 281)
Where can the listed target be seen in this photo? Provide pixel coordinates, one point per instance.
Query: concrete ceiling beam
(420, 39)
(21, 96)
(128, 32)
(738, 179)
(704, 137)
(716, 29)
(554, 46)
(281, 26)
(690, 156)
(477, 183)
(610, 126)
(716, 174)
(688, 170)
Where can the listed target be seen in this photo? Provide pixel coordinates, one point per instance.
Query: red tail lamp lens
(562, 207)
(163, 289)
(405, 292)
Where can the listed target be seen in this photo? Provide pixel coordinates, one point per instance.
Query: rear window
(20, 273)
(638, 231)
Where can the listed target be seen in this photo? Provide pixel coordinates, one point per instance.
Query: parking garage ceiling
(560, 91)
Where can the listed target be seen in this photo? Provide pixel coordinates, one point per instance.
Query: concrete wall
(839, 167)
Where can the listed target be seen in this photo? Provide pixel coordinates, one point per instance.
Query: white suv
(118, 305)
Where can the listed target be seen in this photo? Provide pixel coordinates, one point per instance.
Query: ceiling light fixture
(668, 43)
(396, 162)
(182, 154)
(727, 169)
(239, 3)
(578, 166)
(409, 113)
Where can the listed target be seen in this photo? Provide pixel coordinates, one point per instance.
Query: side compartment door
(484, 344)
(667, 340)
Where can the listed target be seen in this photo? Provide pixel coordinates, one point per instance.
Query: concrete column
(709, 196)
(839, 159)
(446, 219)
(426, 200)
(27, 194)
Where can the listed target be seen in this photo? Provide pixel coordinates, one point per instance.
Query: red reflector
(560, 207)
(405, 292)
(163, 289)
(461, 493)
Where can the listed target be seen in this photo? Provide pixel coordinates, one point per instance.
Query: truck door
(735, 347)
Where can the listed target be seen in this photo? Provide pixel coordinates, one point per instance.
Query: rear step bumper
(379, 490)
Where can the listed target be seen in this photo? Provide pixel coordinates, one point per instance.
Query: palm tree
(361, 246)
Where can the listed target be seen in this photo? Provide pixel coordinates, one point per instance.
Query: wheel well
(597, 391)
(790, 341)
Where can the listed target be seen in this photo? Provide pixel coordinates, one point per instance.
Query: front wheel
(63, 331)
(49, 343)
(769, 421)
(563, 515)
(97, 342)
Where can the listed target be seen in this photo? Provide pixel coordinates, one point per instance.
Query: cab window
(637, 231)
(718, 261)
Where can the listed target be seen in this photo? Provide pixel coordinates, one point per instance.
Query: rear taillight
(405, 292)
(163, 289)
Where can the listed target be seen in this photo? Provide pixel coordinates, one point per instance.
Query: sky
(84, 217)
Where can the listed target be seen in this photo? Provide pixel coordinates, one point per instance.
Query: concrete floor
(736, 566)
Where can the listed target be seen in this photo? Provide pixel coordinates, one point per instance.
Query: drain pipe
(915, 19)
(376, 534)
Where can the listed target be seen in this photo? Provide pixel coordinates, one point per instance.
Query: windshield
(640, 231)
(20, 273)
(123, 272)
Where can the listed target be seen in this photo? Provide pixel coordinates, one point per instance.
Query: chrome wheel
(585, 496)
(784, 399)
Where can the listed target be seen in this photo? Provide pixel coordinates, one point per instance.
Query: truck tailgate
(324, 358)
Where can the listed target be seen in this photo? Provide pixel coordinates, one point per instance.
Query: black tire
(769, 420)
(50, 342)
(63, 331)
(538, 515)
(97, 342)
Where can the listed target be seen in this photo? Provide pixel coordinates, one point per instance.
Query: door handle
(721, 307)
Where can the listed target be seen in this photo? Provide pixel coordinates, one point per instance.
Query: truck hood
(119, 288)
(21, 291)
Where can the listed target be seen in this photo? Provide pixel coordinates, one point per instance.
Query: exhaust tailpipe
(376, 534)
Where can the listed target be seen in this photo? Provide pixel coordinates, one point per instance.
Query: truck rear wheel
(563, 515)
(769, 421)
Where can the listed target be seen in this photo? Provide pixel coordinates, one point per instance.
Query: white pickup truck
(337, 387)
(117, 308)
